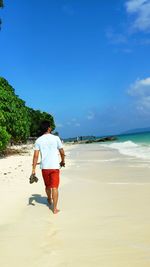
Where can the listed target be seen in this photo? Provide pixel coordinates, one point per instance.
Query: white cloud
(59, 125)
(91, 115)
(141, 11)
(115, 38)
(73, 119)
(73, 123)
(134, 5)
(138, 12)
(145, 102)
(77, 124)
(140, 89)
(68, 123)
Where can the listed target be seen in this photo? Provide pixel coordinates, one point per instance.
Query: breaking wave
(130, 148)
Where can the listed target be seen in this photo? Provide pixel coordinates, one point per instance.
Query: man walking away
(50, 147)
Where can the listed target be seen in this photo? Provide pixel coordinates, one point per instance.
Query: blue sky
(85, 62)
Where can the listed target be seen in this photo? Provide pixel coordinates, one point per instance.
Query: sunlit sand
(104, 214)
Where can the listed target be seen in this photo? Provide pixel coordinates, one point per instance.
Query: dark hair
(44, 126)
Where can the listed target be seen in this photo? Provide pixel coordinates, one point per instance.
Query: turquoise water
(138, 138)
(133, 145)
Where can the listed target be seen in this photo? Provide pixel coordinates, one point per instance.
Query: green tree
(4, 138)
(1, 5)
(36, 116)
(14, 113)
(17, 121)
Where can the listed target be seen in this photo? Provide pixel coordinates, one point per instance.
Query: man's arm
(62, 155)
(35, 160)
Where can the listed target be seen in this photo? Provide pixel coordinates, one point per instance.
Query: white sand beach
(104, 213)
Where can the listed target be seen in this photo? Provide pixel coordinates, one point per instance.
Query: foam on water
(130, 148)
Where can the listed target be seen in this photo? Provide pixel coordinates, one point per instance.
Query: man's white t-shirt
(49, 144)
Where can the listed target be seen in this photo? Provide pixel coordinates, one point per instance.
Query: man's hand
(62, 164)
(62, 154)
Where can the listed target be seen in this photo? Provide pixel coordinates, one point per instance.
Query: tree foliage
(17, 121)
(4, 138)
(1, 5)
(13, 112)
(36, 116)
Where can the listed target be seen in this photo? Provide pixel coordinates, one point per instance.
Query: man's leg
(49, 195)
(45, 174)
(55, 199)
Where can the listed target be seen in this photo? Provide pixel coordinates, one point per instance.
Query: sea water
(135, 145)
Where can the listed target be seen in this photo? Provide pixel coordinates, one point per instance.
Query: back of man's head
(44, 126)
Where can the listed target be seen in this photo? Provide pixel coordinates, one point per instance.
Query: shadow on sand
(40, 200)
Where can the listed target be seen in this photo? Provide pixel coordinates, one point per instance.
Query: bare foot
(56, 211)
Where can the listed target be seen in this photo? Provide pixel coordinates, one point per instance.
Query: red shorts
(51, 178)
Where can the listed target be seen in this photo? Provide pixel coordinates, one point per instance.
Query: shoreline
(104, 212)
